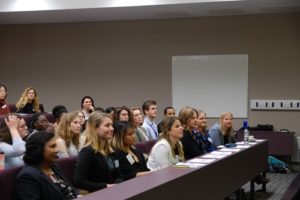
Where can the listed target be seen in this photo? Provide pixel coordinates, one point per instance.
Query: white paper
(213, 156)
(230, 150)
(201, 160)
(221, 152)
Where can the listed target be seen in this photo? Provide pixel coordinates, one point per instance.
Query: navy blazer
(32, 183)
(190, 147)
(92, 171)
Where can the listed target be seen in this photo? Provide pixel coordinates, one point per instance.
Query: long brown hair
(64, 131)
(167, 124)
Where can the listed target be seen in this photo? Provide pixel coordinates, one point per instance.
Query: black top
(93, 170)
(191, 147)
(128, 167)
(32, 183)
(28, 109)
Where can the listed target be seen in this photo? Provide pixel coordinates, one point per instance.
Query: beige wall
(127, 62)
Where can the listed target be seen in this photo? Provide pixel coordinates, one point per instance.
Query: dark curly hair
(35, 145)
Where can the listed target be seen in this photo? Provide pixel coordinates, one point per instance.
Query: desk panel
(214, 181)
(280, 143)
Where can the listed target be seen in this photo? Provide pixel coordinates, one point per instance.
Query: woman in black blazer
(132, 161)
(40, 178)
(97, 166)
(192, 146)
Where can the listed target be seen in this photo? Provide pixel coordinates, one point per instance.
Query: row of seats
(13, 108)
(27, 117)
(67, 165)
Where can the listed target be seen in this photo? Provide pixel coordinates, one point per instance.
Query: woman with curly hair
(40, 178)
(168, 150)
(28, 102)
(68, 134)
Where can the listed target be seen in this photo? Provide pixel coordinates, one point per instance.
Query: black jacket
(127, 169)
(92, 171)
(190, 147)
(32, 183)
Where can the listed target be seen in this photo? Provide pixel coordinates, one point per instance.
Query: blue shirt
(151, 128)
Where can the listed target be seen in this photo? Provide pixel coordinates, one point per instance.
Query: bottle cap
(245, 124)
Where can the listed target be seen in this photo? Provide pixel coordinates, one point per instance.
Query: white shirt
(161, 156)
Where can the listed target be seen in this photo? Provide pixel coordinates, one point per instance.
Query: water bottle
(246, 132)
(2, 160)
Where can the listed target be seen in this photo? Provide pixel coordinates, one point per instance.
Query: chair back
(67, 166)
(145, 147)
(7, 182)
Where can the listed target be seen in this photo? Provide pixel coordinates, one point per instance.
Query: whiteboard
(212, 83)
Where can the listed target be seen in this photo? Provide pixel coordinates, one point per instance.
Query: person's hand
(91, 109)
(12, 122)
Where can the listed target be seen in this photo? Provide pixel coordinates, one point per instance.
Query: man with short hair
(168, 112)
(150, 112)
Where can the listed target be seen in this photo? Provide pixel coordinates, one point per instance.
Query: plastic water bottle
(2, 160)
(246, 132)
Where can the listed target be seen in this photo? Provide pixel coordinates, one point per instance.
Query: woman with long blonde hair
(222, 132)
(97, 166)
(68, 134)
(28, 102)
(168, 150)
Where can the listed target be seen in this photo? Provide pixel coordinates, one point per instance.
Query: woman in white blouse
(168, 150)
(68, 134)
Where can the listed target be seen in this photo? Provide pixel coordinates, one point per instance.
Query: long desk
(213, 181)
(280, 143)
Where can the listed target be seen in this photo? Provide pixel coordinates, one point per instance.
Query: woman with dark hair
(131, 160)
(87, 106)
(168, 150)
(122, 114)
(39, 122)
(12, 129)
(40, 178)
(4, 109)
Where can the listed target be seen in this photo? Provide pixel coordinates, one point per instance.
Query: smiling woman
(40, 178)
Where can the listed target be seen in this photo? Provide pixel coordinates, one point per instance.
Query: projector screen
(212, 83)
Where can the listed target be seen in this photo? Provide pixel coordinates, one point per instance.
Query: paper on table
(242, 146)
(189, 165)
(221, 152)
(240, 142)
(201, 160)
(230, 150)
(213, 156)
